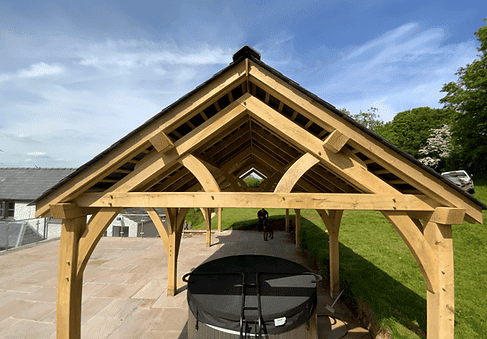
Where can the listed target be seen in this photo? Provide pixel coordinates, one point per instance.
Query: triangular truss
(250, 119)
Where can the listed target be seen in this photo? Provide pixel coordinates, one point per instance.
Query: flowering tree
(438, 147)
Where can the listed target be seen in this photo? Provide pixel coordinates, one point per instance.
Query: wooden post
(441, 304)
(298, 225)
(69, 287)
(332, 222)
(220, 210)
(287, 219)
(171, 238)
(208, 227)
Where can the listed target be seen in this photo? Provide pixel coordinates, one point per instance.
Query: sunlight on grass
(377, 267)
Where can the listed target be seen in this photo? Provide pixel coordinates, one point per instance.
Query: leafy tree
(369, 119)
(468, 98)
(437, 151)
(252, 181)
(410, 130)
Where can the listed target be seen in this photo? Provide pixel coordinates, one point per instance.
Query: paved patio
(124, 292)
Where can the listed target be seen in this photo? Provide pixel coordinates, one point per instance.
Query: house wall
(23, 211)
(121, 221)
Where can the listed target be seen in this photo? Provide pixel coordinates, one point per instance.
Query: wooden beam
(70, 284)
(171, 238)
(297, 224)
(442, 215)
(441, 303)
(344, 164)
(66, 211)
(383, 202)
(287, 219)
(131, 147)
(161, 142)
(97, 225)
(335, 141)
(419, 247)
(201, 172)
(295, 172)
(157, 163)
(332, 223)
(220, 217)
(380, 153)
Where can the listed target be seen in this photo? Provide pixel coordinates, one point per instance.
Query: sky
(75, 77)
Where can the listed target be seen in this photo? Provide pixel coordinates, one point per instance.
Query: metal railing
(17, 233)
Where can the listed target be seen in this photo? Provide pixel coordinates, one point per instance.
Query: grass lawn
(377, 268)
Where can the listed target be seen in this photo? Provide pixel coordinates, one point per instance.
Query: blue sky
(75, 77)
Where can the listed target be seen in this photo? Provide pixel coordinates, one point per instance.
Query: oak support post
(332, 222)
(208, 227)
(171, 238)
(69, 287)
(172, 265)
(220, 210)
(287, 219)
(298, 225)
(441, 304)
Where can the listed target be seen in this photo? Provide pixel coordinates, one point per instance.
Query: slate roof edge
(238, 57)
(368, 131)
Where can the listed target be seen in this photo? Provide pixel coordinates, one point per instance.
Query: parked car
(461, 179)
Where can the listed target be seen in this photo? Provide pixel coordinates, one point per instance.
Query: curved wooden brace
(344, 163)
(92, 235)
(295, 172)
(418, 245)
(201, 172)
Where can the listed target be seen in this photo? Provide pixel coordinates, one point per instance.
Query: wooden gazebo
(249, 117)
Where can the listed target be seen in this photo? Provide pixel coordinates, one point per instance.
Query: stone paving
(124, 291)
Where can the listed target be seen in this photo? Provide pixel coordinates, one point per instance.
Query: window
(7, 209)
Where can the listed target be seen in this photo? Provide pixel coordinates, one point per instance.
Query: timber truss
(249, 118)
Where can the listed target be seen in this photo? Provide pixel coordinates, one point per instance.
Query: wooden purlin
(139, 141)
(380, 153)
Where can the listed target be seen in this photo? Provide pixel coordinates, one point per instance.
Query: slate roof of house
(27, 184)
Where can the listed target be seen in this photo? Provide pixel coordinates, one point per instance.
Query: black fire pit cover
(219, 289)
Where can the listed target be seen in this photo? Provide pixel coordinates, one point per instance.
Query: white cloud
(402, 69)
(39, 70)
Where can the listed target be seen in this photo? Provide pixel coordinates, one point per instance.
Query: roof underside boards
(251, 118)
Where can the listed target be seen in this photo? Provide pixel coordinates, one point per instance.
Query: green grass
(377, 267)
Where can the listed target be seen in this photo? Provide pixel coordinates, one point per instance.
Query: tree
(369, 119)
(410, 130)
(438, 148)
(468, 99)
(252, 181)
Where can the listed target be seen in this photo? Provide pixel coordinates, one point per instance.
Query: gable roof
(250, 116)
(27, 184)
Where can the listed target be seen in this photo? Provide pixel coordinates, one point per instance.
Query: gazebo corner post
(220, 210)
(70, 282)
(208, 227)
(441, 302)
(287, 219)
(172, 266)
(297, 225)
(171, 238)
(332, 222)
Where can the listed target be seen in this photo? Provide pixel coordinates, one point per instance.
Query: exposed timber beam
(383, 202)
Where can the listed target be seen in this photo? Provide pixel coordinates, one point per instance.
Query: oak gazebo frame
(250, 117)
